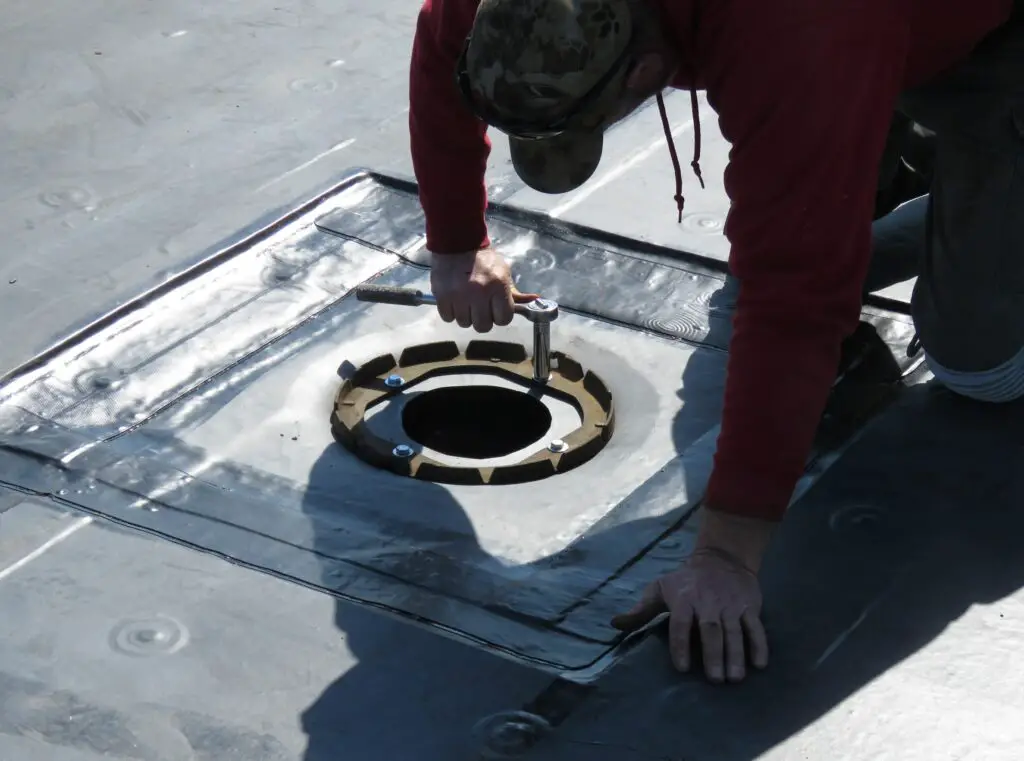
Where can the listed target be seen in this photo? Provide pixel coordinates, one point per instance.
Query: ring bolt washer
(384, 377)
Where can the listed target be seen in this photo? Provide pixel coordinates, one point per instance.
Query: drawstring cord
(695, 164)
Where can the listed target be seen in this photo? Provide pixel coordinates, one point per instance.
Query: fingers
(721, 641)
(726, 642)
(463, 309)
(756, 637)
(712, 648)
(727, 638)
(480, 306)
(522, 298)
(735, 653)
(495, 306)
(651, 605)
(680, 632)
(481, 310)
(475, 289)
(446, 309)
(483, 313)
(501, 308)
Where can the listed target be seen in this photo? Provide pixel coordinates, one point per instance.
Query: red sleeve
(449, 144)
(807, 106)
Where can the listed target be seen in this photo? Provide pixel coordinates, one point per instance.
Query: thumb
(651, 605)
(522, 298)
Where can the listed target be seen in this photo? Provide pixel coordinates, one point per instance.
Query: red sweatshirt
(805, 91)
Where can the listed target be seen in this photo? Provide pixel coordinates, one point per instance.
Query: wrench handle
(411, 297)
(387, 294)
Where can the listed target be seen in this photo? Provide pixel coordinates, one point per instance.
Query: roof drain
(473, 417)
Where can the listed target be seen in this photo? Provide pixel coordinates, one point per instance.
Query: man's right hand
(474, 289)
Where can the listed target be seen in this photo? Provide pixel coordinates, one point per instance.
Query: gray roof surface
(135, 140)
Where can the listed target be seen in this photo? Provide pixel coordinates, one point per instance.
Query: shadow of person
(891, 558)
(894, 548)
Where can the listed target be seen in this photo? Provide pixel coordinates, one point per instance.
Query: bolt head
(403, 450)
(545, 309)
(558, 446)
(394, 381)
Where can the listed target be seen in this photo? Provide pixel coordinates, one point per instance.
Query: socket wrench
(541, 312)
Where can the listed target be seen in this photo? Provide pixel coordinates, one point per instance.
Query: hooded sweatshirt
(805, 92)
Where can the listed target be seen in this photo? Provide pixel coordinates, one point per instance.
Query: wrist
(455, 256)
(440, 250)
(463, 262)
(744, 539)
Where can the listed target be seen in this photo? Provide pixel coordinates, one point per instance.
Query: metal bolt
(541, 312)
(544, 306)
(394, 381)
(403, 450)
(541, 352)
(558, 446)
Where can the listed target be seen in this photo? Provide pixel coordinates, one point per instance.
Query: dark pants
(964, 240)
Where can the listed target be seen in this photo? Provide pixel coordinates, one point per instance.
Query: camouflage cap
(543, 72)
(557, 164)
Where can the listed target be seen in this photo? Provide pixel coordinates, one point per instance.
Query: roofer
(805, 92)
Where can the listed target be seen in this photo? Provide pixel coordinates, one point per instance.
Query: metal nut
(394, 381)
(403, 450)
(558, 446)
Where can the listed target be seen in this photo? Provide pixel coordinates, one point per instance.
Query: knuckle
(731, 615)
(680, 598)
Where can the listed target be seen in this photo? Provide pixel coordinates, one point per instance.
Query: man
(806, 92)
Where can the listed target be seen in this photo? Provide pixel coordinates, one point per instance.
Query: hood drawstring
(695, 164)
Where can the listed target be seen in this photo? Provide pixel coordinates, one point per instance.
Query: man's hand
(716, 595)
(474, 289)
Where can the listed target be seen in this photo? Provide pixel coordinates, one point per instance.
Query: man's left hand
(716, 594)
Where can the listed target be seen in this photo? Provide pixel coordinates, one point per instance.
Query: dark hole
(475, 421)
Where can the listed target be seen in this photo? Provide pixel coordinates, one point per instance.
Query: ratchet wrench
(541, 312)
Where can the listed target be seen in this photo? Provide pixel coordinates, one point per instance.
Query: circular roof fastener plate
(509, 734)
(470, 432)
(159, 635)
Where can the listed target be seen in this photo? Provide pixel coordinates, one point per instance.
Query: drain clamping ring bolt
(377, 381)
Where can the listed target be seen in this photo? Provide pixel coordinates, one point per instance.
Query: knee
(999, 385)
(721, 309)
(724, 299)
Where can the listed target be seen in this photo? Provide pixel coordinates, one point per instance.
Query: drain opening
(477, 422)
(387, 404)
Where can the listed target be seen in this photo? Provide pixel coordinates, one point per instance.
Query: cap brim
(557, 164)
